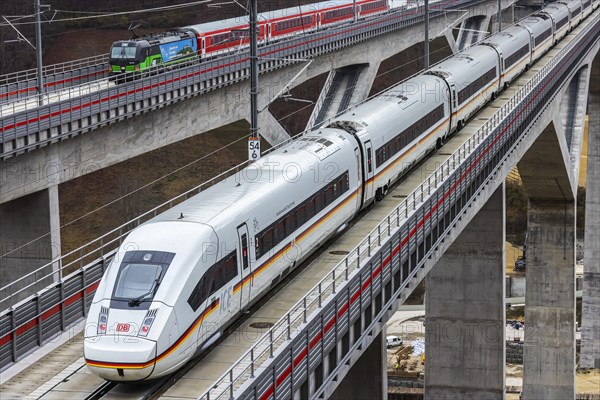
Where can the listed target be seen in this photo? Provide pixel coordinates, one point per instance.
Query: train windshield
(137, 283)
(123, 52)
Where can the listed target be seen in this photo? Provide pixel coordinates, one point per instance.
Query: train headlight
(148, 320)
(102, 321)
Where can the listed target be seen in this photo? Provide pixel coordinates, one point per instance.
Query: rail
(360, 286)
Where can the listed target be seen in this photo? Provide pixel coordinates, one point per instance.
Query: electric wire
(179, 169)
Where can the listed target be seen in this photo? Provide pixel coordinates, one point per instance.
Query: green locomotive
(145, 54)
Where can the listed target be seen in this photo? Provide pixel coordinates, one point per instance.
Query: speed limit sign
(253, 148)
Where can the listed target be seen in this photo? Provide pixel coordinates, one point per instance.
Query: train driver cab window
(119, 51)
(137, 283)
(139, 277)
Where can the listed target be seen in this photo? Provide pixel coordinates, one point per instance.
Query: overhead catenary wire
(132, 192)
(100, 14)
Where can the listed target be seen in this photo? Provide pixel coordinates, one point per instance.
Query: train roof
(536, 23)
(555, 10)
(505, 39)
(252, 187)
(461, 67)
(572, 4)
(269, 15)
(407, 94)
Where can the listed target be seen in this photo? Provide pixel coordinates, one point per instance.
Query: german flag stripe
(166, 353)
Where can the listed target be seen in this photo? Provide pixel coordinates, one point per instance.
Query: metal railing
(23, 84)
(388, 251)
(19, 121)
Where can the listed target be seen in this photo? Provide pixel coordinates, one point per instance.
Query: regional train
(181, 278)
(201, 41)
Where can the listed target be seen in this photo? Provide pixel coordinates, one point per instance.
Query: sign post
(253, 148)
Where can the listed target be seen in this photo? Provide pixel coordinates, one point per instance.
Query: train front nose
(120, 358)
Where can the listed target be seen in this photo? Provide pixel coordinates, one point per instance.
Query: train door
(359, 181)
(453, 107)
(244, 258)
(369, 184)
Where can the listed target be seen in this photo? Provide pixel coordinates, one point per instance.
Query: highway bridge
(333, 313)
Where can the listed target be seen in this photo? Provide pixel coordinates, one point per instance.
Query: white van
(393, 341)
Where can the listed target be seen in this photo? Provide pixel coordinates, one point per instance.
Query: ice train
(181, 278)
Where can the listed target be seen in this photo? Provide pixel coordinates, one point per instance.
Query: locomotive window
(123, 52)
(135, 280)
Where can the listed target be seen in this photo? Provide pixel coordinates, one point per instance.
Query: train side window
(229, 265)
(329, 195)
(310, 209)
(279, 233)
(199, 294)
(301, 215)
(290, 224)
(265, 242)
(369, 161)
(318, 203)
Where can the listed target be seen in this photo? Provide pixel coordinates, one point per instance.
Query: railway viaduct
(464, 281)
(29, 202)
(331, 353)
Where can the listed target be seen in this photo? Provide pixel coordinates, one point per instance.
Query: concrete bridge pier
(590, 324)
(367, 379)
(549, 351)
(472, 30)
(23, 221)
(343, 88)
(464, 307)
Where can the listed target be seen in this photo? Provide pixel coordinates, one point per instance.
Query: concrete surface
(29, 239)
(370, 370)
(464, 334)
(549, 352)
(590, 324)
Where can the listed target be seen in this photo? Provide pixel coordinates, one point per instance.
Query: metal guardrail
(26, 125)
(359, 290)
(23, 84)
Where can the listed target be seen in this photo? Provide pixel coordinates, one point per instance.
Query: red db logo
(122, 327)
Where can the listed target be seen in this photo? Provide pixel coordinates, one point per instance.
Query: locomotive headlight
(102, 321)
(148, 320)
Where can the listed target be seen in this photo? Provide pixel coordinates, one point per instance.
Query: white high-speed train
(181, 278)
